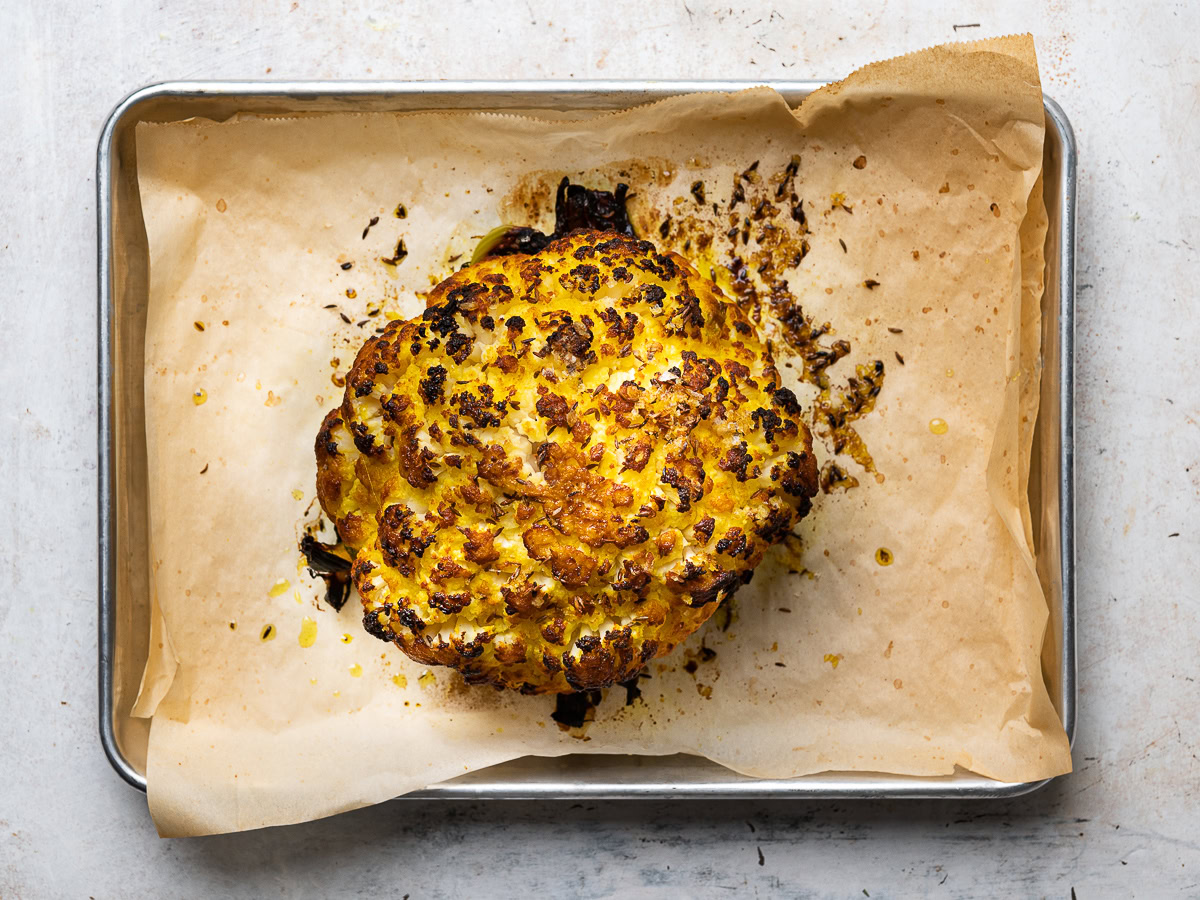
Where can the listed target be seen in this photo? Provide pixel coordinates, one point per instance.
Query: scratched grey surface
(1124, 824)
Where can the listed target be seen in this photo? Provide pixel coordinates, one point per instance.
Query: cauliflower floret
(563, 466)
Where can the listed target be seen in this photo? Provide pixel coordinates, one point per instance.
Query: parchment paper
(916, 667)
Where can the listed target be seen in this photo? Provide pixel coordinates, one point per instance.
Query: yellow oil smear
(199, 396)
(308, 632)
(949, 373)
(427, 678)
(280, 586)
(883, 556)
(938, 426)
(296, 597)
(347, 638)
(312, 681)
(399, 681)
(356, 671)
(268, 633)
(297, 494)
(833, 659)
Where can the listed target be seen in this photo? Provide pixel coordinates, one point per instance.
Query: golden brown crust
(559, 470)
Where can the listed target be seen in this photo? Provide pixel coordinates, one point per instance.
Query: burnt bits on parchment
(750, 238)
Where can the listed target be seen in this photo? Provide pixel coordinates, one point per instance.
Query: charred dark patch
(736, 460)
(786, 399)
(480, 408)
(768, 420)
(723, 587)
(575, 208)
(432, 383)
(552, 408)
(571, 344)
(376, 628)
(573, 710)
(734, 543)
(331, 568)
(458, 346)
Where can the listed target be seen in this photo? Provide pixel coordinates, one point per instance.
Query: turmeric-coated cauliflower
(562, 467)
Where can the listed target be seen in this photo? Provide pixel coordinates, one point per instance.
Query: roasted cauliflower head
(562, 467)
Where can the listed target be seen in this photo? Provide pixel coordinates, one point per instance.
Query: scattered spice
(896, 330)
(268, 633)
(899, 358)
(870, 284)
(351, 293)
(199, 396)
(860, 163)
(843, 243)
(346, 266)
(199, 326)
(698, 191)
(398, 256)
(205, 469)
(221, 205)
(833, 477)
(884, 557)
(374, 221)
(400, 212)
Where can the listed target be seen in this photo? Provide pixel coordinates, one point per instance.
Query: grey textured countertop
(1125, 823)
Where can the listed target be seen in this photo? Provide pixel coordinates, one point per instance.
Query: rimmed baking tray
(124, 602)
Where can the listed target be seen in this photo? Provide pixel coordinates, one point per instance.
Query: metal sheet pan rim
(821, 786)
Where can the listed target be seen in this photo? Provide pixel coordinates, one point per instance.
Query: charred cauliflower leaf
(562, 467)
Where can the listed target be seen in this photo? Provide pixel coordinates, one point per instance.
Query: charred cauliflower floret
(558, 471)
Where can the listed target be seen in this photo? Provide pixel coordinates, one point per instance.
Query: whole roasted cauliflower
(562, 467)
